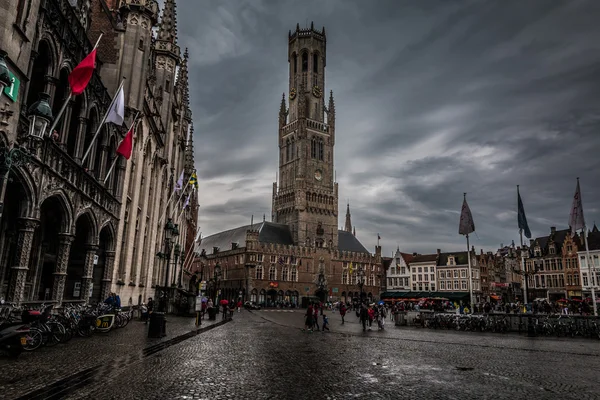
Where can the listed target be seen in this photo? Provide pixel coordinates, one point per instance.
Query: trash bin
(212, 313)
(401, 319)
(157, 328)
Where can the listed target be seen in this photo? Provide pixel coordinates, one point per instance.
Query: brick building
(301, 253)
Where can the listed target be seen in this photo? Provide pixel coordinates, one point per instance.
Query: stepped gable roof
(424, 258)
(558, 237)
(348, 242)
(270, 232)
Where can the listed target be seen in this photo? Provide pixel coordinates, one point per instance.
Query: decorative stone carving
(88, 271)
(16, 287)
(62, 261)
(5, 114)
(109, 262)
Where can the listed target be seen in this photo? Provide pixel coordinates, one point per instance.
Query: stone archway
(53, 249)
(81, 259)
(102, 269)
(16, 237)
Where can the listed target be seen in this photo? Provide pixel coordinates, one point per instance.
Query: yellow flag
(351, 268)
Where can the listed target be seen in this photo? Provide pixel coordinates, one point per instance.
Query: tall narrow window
(313, 148)
(293, 151)
(295, 61)
(321, 149)
(287, 150)
(304, 62)
(315, 63)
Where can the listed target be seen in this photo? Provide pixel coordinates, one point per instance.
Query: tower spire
(348, 226)
(283, 112)
(182, 80)
(331, 110)
(168, 23)
(189, 153)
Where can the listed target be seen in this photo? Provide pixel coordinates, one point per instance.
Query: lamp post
(216, 279)
(176, 259)
(39, 115)
(175, 234)
(169, 228)
(181, 261)
(361, 281)
(526, 274)
(321, 284)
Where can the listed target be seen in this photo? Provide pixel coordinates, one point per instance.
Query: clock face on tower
(318, 175)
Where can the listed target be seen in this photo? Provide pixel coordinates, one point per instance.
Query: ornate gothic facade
(67, 235)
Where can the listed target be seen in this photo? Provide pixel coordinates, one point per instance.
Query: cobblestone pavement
(265, 355)
(46, 365)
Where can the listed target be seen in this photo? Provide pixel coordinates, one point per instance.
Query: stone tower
(306, 198)
(167, 55)
(140, 18)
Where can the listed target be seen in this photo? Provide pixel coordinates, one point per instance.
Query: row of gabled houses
(555, 268)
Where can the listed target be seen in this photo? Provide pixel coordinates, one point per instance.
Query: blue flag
(523, 225)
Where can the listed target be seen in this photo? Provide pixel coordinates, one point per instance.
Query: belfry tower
(306, 196)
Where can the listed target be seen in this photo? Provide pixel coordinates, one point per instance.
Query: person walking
(239, 305)
(325, 323)
(308, 320)
(150, 308)
(343, 310)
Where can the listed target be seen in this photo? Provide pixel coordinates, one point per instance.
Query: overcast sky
(433, 99)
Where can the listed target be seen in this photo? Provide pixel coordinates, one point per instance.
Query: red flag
(81, 75)
(126, 145)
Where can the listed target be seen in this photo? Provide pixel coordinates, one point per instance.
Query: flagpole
(64, 106)
(176, 204)
(114, 163)
(168, 202)
(470, 276)
(592, 278)
(87, 152)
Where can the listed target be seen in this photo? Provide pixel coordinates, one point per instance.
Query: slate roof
(424, 258)
(348, 242)
(593, 241)
(557, 238)
(270, 232)
(460, 258)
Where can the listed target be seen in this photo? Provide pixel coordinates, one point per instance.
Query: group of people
(312, 318)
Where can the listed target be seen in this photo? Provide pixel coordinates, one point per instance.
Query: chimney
(438, 252)
(552, 230)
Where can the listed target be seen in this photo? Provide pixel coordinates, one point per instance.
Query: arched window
(294, 277)
(272, 273)
(321, 149)
(287, 150)
(304, 62)
(345, 278)
(259, 272)
(315, 63)
(284, 274)
(293, 152)
(295, 62)
(313, 148)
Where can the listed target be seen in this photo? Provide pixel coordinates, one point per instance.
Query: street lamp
(4, 75)
(181, 261)
(217, 278)
(526, 275)
(39, 115)
(176, 256)
(361, 280)
(169, 228)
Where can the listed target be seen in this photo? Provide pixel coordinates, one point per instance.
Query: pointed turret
(167, 31)
(182, 85)
(283, 113)
(595, 228)
(348, 226)
(331, 110)
(189, 153)
(354, 231)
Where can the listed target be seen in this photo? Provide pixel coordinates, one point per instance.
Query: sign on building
(12, 91)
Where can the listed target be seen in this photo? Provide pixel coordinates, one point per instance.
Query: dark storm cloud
(434, 98)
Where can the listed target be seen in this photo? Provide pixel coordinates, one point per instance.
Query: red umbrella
(223, 302)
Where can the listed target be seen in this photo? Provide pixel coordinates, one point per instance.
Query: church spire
(283, 112)
(182, 80)
(167, 31)
(331, 110)
(189, 153)
(348, 226)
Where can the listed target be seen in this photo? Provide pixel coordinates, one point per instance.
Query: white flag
(576, 219)
(116, 114)
(466, 225)
(198, 235)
